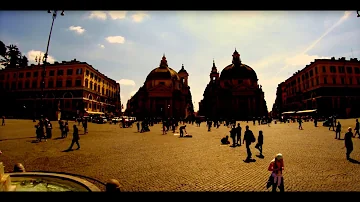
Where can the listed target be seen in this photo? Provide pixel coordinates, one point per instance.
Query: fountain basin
(50, 182)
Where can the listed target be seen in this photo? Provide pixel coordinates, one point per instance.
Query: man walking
(338, 130)
(357, 128)
(182, 129)
(238, 135)
(3, 121)
(76, 138)
(248, 139)
(348, 143)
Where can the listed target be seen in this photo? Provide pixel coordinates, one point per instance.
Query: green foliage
(11, 56)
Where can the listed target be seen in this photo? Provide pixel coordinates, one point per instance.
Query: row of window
(34, 84)
(96, 87)
(98, 79)
(309, 74)
(310, 84)
(35, 74)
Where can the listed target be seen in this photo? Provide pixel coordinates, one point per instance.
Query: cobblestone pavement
(314, 160)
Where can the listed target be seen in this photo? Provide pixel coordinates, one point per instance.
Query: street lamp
(54, 14)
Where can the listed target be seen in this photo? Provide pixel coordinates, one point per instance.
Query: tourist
(48, 130)
(277, 167)
(209, 123)
(331, 121)
(63, 129)
(138, 126)
(248, 139)
(3, 121)
(259, 144)
(348, 143)
(225, 140)
(66, 128)
(85, 125)
(238, 135)
(182, 129)
(164, 128)
(315, 122)
(300, 123)
(19, 168)
(357, 128)
(338, 130)
(233, 132)
(76, 138)
(113, 186)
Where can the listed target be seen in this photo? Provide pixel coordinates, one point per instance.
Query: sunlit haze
(126, 46)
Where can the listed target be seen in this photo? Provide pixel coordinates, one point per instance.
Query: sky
(127, 45)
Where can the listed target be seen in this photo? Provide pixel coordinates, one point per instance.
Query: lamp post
(54, 14)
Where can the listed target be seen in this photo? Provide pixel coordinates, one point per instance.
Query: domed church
(165, 93)
(235, 93)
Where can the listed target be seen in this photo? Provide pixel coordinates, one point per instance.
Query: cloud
(77, 29)
(101, 15)
(115, 39)
(139, 17)
(115, 15)
(101, 46)
(31, 55)
(126, 82)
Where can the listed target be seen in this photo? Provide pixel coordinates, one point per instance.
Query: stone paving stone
(314, 160)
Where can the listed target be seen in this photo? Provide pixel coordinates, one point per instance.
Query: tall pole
(54, 14)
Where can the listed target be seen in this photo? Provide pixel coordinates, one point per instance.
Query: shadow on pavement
(58, 138)
(354, 161)
(68, 150)
(260, 156)
(249, 161)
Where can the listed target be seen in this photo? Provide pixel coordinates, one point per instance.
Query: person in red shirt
(277, 167)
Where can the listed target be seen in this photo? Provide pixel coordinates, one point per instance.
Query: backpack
(253, 139)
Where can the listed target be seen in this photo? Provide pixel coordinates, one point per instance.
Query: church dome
(237, 70)
(163, 72)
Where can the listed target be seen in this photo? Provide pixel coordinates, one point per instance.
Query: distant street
(314, 160)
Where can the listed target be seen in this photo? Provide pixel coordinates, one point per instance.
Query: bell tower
(214, 74)
(183, 75)
(236, 58)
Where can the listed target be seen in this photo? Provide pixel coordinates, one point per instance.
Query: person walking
(182, 129)
(260, 143)
(300, 124)
(238, 135)
(85, 125)
(331, 122)
(357, 128)
(348, 143)
(276, 179)
(3, 121)
(233, 132)
(248, 139)
(76, 138)
(338, 130)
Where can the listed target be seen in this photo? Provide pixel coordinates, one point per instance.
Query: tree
(12, 57)
(2, 49)
(24, 61)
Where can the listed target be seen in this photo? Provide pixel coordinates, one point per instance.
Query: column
(171, 107)
(153, 107)
(249, 106)
(253, 107)
(166, 111)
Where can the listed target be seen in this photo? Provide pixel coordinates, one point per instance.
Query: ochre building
(165, 93)
(71, 89)
(233, 94)
(332, 86)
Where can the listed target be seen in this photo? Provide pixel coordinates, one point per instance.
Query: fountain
(43, 182)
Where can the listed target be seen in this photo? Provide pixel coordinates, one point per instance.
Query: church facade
(165, 93)
(233, 94)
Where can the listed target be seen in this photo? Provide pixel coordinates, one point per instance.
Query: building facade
(332, 86)
(165, 93)
(233, 94)
(71, 89)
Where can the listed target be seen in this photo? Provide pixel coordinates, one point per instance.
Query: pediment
(159, 88)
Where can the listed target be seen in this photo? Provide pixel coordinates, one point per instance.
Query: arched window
(86, 83)
(95, 86)
(90, 97)
(91, 85)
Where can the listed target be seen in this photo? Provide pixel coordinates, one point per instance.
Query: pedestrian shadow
(68, 150)
(249, 161)
(354, 161)
(260, 156)
(58, 138)
(34, 141)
